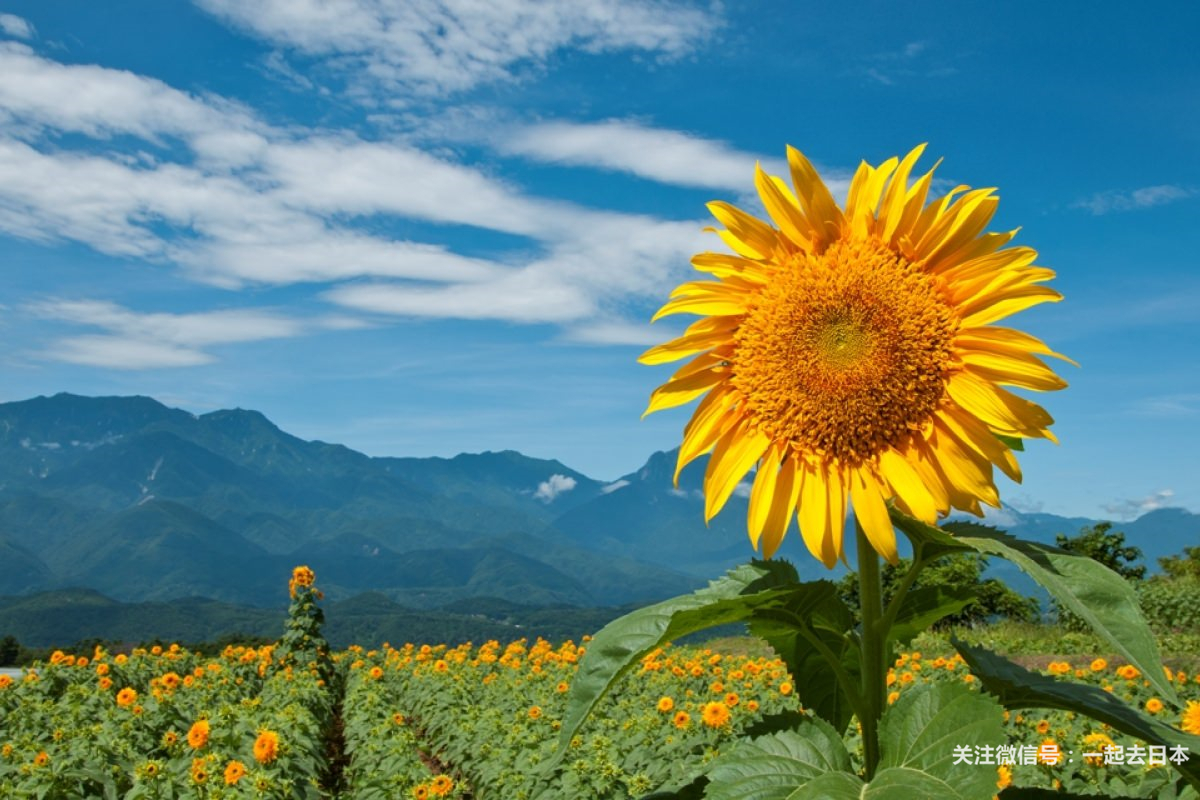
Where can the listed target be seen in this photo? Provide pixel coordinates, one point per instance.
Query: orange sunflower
(850, 356)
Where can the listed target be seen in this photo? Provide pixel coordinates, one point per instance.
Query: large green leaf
(778, 766)
(814, 612)
(1017, 687)
(623, 642)
(923, 607)
(1090, 590)
(918, 737)
(921, 730)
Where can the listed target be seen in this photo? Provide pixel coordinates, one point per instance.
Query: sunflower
(715, 715)
(234, 772)
(850, 355)
(441, 786)
(266, 746)
(198, 734)
(1191, 718)
(127, 696)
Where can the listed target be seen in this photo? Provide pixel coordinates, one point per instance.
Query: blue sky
(422, 227)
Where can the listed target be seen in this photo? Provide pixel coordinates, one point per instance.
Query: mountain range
(145, 503)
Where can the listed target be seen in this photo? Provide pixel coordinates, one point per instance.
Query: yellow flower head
(266, 746)
(441, 786)
(1154, 705)
(198, 734)
(127, 696)
(715, 715)
(234, 772)
(1191, 718)
(665, 704)
(682, 719)
(850, 355)
(1099, 665)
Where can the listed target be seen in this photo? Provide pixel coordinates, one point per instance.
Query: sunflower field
(483, 722)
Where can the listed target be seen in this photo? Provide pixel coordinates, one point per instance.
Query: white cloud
(614, 486)
(743, 490)
(97, 101)
(617, 332)
(142, 341)
(553, 486)
(657, 154)
(427, 47)
(1133, 508)
(1170, 405)
(1146, 197)
(15, 26)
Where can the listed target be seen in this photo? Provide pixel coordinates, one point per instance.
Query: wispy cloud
(1147, 197)
(1134, 508)
(15, 26)
(1169, 405)
(428, 47)
(913, 60)
(666, 156)
(134, 340)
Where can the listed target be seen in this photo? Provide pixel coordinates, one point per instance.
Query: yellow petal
(907, 484)
(817, 203)
(784, 211)
(758, 236)
(762, 494)
(713, 305)
(869, 507)
(1027, 372)
(863, 197)
(723, 265)
(968, 471)
(1003, 305)
(733, 456)
(787, 494)
(894, 201)
(684, 390)
(682, 347)
(999, 409)
(974, 434)
(1005, 340)
(822, 512)
(966, 220)
(708, 424)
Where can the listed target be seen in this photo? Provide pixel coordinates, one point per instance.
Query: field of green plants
(477, 722)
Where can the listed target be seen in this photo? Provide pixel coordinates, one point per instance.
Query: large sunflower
(851, 355)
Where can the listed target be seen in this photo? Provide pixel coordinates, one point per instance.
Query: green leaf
(621, 643)
(1090, 590)
(920, 731)
(814, 612)
(691, 791)
(1017, 687)
(931, 541)
(923, 607)
(779, 766)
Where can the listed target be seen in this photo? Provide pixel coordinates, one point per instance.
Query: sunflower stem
(874, 649)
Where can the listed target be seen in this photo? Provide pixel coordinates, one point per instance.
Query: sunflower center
(845, 353)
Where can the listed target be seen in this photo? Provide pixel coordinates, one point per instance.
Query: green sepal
(1011, 442)
(1016, 687)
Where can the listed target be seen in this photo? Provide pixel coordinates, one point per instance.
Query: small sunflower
(1191, 718)
(715, 715)
(665, 705)
(850, 355)
(127, 696)
(266, 746)
(198, 734)
(234, 772)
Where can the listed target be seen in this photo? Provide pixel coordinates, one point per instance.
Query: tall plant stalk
(874, 649)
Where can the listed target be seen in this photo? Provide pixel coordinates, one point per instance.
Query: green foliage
(1102, 599)
(918, 738)
(1108, 547)
(1172, 605)
(10, 651)
(956, 576)
(303, 644)
(1185, 565)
